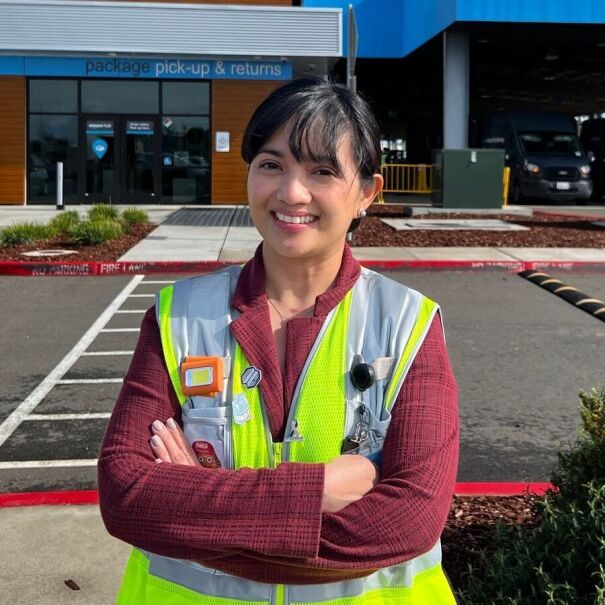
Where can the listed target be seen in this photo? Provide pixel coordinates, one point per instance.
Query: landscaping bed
(545, 231)
(108, 251)
(471, 525)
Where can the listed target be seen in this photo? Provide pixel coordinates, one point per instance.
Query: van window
(553, 143)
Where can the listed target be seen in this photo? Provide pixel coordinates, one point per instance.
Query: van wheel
(516, 194)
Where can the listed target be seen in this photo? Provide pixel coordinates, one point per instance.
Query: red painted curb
(92, 496)
(94, 268)
(500, 489)
(49, 498)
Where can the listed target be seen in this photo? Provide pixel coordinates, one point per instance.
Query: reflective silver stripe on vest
(205, 580)
(218, 584)
(383, 314)
(200, 316)
(396, 576)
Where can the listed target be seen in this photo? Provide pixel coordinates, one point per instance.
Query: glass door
(122, 159)
(140, 166)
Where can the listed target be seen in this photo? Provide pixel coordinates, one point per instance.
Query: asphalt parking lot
(520, 355)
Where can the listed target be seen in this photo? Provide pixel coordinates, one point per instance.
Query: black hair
(318, 113)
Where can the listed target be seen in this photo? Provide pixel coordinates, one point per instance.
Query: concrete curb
(62, 498)
(96, 268)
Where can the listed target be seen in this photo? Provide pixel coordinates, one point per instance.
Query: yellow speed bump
(591, 305)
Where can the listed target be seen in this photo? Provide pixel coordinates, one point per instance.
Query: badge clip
(202, 376)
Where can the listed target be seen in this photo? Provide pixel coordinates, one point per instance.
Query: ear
(370, 189)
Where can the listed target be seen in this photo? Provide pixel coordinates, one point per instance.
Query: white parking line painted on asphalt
(91, 416)
(89, 381)
(108, 330)
(26, 407)
(109, 353)
(131, 311)
(142, 295)
(46, 463)
(155, 281)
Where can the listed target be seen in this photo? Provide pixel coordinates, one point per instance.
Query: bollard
(60, 186)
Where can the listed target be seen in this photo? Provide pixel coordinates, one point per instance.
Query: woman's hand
(169, 444)
(347, 479)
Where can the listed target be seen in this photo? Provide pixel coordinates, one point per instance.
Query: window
(53, 96)
(186, 159)
(120, 96)
(186, 98)
(52, 139)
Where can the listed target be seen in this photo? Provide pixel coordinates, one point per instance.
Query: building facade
(144, 102)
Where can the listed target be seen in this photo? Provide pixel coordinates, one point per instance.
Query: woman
(279, 373)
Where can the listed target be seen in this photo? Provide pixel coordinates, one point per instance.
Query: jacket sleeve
(404, 515)
(195, 512)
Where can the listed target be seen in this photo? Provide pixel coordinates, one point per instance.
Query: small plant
(103, 212)
(133, 216)
(96, 232)
(66, 221)
(560, 560)
(25, 233)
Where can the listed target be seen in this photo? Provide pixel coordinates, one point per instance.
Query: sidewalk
(43, 546)
(194, 243)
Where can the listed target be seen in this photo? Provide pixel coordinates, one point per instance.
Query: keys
(360, 434)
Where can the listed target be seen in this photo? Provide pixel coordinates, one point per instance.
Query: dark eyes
(268, 165)
(321, 171)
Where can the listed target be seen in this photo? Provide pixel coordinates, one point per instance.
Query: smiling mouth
(296, 220)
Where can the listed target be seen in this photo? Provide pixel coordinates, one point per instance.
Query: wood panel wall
(233, 102)
(12, 140)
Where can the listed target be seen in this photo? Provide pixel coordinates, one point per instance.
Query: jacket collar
(250, 289)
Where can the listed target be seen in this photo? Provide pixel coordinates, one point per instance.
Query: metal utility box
(468, 178)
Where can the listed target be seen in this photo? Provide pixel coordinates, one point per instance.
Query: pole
(351, 56)
(60, 205)
(352, 49)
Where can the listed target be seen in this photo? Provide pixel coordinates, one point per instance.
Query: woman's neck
(296, 282)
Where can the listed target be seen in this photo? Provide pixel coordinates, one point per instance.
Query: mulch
(107, 252)
(472, 524)
(545, 231)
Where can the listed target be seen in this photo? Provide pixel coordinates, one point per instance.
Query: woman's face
(303, 209)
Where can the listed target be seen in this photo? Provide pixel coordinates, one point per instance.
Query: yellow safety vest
(322, 414)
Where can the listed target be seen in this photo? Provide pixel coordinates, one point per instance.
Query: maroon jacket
(266, 524)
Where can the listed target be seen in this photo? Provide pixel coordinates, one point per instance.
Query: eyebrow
(274, 152)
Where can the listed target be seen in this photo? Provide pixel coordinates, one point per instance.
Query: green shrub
(103, 212)
(560, 561)
(96, 232)
(65, 221)
(25, 233)
(133, 216)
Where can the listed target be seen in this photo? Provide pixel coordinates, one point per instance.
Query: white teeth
(309, 218)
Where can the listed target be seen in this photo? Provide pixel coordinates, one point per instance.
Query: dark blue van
(544, 153)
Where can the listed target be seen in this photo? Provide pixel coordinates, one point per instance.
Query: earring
(362, 213)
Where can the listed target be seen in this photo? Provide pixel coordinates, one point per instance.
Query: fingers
(159, 450)
(169, 445)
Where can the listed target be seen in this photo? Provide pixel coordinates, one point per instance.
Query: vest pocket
(367, 433)
(208, 431)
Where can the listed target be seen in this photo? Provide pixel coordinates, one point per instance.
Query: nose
(293, 189)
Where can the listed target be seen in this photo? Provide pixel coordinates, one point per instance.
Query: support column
(455, 89)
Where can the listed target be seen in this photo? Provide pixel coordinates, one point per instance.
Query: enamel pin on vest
(250, 378)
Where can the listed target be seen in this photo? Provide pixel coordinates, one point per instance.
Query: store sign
(141, 128)
(114, 67)
(99, 127)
